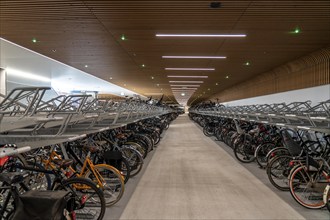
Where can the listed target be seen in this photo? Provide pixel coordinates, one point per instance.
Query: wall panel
(309, 71)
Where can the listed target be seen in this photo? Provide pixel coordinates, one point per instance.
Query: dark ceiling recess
(215, 4)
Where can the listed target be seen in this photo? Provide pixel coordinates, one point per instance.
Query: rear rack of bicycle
(296, 115)
(27, 119)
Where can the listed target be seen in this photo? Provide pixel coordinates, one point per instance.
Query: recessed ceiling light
(157, 84)
(186, 81)
(194, 57)
(297, 30)
(152, 77)
(200, 35)
(123, 37)
(34, 40)
(187, 76)
(200, 69)
(53, 50)
(227, 77)
(247, 63)
(209, 89)
(110, 78)
(86, 66)
(216, 84)
(143, 65)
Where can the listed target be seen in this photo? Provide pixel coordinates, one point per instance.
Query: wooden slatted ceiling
(88, 32)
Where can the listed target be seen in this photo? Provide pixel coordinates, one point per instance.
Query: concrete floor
(191, 176)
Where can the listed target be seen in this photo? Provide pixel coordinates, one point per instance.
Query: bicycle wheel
(326, 197)
(307, 187)
(141, 148)
(113, 185)
(208, 131)
(278, 170)
(125, 169)
(38, 180)
(278, 151)
(89, 198)
(134, 159)
(243, 150)
(261, 154)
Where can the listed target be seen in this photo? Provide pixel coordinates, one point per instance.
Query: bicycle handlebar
(13, 151)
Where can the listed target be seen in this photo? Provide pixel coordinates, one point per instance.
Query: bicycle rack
(27, 119)
(295, 115)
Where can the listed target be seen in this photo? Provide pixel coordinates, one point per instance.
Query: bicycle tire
(304, 190)
(242, 151)
(134, 159)
(262, 152)
(326, 196)
(114, 186)
(85, 186)
(278, 171)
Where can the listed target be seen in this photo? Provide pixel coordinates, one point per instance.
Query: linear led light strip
(194, 57)
(179, 89)
(186, 81)
(200, 35)
(185, 85)
(193, 69)
(172, 76)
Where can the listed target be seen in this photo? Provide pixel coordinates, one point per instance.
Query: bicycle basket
(41, 205)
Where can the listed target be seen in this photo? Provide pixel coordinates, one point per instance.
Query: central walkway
(191, 177)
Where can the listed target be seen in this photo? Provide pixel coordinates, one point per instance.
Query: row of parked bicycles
(295, 160)
(87, 175)
(69, 157)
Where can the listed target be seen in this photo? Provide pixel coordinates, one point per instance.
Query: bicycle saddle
(63, 163)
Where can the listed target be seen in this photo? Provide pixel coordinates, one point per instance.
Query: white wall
(314, 94)
(62, 77)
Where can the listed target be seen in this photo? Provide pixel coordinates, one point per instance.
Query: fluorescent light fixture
(183, 88)
(195, 69)
(194, 57)
(200, 35)
(187, 76)
(186, 85)
(27, 75)
(186, 81)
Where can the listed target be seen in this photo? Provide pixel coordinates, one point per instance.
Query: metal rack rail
(26, 118)
(296, 115)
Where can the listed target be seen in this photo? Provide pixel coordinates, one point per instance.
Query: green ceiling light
(34, 40)
(297, 30)
(123, 37)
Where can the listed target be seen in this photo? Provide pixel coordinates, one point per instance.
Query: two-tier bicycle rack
(27, 119)
(295, 115)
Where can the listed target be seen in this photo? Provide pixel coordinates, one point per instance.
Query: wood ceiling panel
(89, 32)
